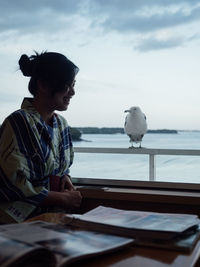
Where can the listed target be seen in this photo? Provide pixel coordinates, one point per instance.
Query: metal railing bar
(148, 151)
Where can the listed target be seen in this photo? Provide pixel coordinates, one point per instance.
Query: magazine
(59, 244)
(18, 254)
(181, 231)
(184, 243)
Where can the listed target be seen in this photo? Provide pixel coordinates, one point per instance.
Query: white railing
(152, 152)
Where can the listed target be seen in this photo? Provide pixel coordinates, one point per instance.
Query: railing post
(152, 167)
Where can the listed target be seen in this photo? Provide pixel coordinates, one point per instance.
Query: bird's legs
(140, 146)
(131, 144)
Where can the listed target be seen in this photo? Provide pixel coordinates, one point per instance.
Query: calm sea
(136, 167)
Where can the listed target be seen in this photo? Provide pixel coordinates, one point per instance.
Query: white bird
(135, 125)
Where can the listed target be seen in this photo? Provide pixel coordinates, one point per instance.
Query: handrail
(152, 152)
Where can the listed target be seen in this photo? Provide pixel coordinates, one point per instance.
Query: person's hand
(66, 183)
(66, 200)
(70, 199)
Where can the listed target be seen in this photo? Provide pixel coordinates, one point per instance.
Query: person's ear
(42, 86)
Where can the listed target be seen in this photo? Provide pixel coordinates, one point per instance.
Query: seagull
(135, 125)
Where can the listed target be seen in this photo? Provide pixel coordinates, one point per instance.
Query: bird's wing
(145, 116)
(125, 122)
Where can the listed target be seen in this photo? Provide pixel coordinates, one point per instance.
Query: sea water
(136, 167)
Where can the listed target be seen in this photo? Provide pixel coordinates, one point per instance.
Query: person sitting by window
(35, 143)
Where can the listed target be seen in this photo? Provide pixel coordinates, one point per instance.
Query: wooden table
(145, 257)
(135, 256)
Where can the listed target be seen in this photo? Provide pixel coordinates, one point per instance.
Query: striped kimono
(30, 152)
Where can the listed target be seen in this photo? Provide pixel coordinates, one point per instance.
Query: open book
(48, 244)
(180, 231)
(18, 254)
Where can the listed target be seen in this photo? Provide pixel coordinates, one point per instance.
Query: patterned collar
(27, 105)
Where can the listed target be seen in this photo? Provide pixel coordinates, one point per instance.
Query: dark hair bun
(25, 65)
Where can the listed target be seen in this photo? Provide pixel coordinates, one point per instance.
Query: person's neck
(45, 112)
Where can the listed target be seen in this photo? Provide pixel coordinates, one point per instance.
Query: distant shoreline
(114, 130)
(76, 132)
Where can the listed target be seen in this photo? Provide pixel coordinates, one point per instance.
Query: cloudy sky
(130, 53)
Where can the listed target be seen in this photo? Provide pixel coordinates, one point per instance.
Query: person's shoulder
(15, 119)
(13, 115)
(16, 115)
(12, 119)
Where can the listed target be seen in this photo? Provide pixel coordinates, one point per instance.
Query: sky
(142, 53)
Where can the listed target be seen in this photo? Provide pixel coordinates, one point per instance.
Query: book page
(68, 243)
(29, 232)
(77, 244)
(140, 220)
(18, 254)
(10, 250)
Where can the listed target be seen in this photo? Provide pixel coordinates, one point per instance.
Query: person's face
(61, 100)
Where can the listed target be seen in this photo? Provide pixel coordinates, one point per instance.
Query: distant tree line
(108, 130)
(75, 134)
(78, 131)
(96, 130)
(163, 131)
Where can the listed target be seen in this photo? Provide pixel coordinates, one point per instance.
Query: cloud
(121, 16)
(128, 18)
(153, 43)
(161, 42)
(28, 16)
(142, 20)
(143, 16)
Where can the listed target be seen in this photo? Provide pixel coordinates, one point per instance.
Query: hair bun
(25, 65)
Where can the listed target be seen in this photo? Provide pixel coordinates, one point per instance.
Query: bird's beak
(127, 110)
